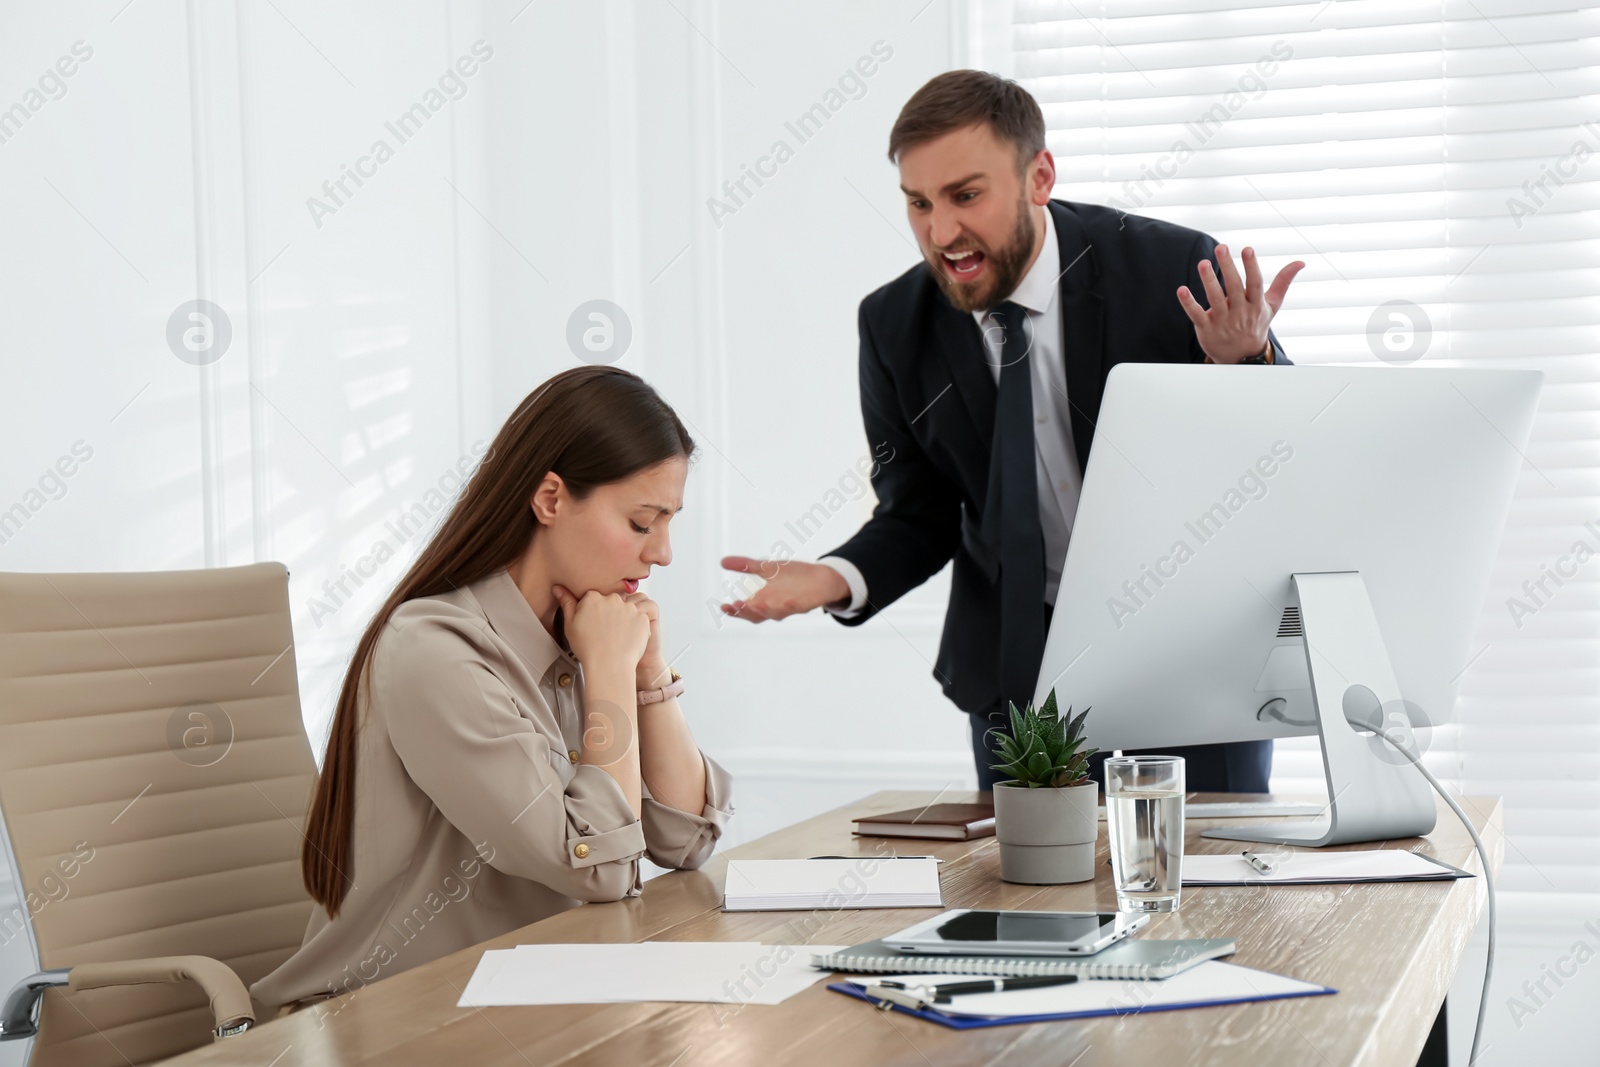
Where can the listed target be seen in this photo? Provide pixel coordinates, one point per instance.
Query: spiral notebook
(1125, 959)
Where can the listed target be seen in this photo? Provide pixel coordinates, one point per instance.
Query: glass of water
(1144, 823)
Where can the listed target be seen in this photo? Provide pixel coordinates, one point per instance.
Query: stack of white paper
(742, 972)
(795, 885)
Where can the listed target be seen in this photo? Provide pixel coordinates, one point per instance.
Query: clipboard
(1325, 869)
(1128, 990)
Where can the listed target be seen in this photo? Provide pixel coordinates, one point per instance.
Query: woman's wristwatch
(671, 689)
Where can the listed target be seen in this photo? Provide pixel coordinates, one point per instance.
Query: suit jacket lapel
(960, 342)
(961, 345)
(1082, 328)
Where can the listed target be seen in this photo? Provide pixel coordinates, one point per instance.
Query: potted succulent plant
(1045, 815)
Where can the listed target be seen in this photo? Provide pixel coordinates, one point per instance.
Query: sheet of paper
(1384, 864)
(478, 985)
(718, 972)
(835, 883)
(1212, 982)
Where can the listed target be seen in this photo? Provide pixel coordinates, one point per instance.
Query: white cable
(1488, 881)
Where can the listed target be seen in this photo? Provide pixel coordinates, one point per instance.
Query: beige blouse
(472, 815)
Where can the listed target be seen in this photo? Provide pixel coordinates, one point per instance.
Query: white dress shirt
(1059, 478)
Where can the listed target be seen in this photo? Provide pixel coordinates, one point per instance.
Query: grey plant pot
(1046, 835)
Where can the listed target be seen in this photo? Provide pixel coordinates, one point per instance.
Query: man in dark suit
(982, 370)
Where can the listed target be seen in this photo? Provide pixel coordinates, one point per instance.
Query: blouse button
(580, 850)
(564, 681)
(572, 755)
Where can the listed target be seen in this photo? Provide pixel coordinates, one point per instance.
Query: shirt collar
(1039, 288)
(512, 617)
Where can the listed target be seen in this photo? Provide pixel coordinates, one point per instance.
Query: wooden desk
(1390, 950)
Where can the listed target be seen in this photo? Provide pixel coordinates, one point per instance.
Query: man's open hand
(1234, 326)
(792, 588)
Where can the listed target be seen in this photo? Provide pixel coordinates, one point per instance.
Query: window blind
(1435, 163)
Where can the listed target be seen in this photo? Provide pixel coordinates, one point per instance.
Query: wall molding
(705, 81)
(213, 476)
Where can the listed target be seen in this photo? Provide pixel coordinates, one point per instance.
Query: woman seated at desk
(477, 778)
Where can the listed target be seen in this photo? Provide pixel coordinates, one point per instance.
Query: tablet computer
(971, 932)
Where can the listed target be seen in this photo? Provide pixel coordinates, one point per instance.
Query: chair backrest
(154, 780)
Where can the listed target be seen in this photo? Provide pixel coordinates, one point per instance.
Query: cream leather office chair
(154, 780)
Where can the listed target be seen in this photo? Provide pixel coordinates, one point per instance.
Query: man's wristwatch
(671, 689)
(1262, 357)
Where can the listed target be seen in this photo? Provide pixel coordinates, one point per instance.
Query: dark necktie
(1021, 537)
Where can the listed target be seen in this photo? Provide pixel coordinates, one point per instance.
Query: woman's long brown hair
(592, 426)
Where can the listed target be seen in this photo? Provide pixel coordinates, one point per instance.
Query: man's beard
(1004, 268)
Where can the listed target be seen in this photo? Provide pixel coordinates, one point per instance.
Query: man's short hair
(960, 98)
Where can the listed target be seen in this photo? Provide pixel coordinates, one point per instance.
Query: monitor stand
(1376, 794)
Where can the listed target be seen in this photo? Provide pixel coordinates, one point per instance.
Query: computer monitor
(1265, 552)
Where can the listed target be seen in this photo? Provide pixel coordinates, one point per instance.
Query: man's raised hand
(1234, 326)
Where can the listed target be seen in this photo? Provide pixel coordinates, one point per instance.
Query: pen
(1262, 865)
(984, 985)
(887, 997)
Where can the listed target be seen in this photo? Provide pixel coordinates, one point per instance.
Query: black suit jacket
(927, 393)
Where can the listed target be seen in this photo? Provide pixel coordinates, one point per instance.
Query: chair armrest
(230, 1001)
(16, 1017)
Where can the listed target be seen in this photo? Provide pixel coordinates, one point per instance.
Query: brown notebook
(951, 822)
